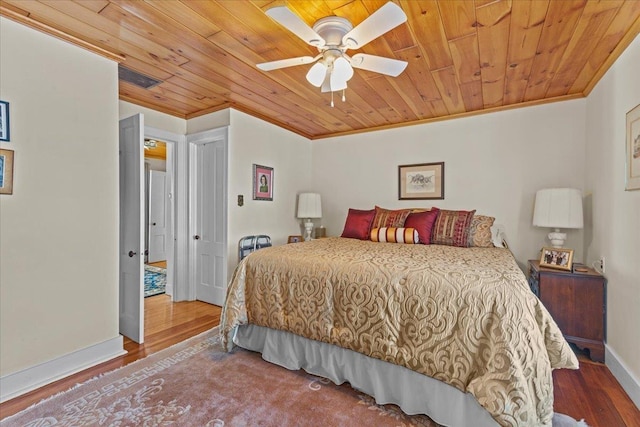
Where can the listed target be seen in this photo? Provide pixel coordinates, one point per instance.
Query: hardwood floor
(591, 393)
(161, 264)
(165, 324)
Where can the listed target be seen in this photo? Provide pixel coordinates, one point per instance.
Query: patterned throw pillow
(423, 223)
(452, 228)
(389, 218)
(358, 224)
(394, 235)
(480, 231)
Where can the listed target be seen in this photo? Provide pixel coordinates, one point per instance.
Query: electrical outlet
(602, 264)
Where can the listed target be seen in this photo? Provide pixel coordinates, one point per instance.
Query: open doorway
(158, 217)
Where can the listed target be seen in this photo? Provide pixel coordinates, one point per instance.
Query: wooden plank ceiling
(465, 56)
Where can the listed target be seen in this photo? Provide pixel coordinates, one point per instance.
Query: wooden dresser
(576, 301)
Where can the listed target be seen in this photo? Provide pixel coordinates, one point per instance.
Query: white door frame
(214, 135)
(177, 250)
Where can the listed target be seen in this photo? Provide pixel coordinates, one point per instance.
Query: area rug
(155, 280)
(195, 383)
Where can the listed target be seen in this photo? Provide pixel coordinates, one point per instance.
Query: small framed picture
(421, 181)
(295, 239)
(633, 149)
(559, 258)
(4, 121)
(262, 183)
(6, 171)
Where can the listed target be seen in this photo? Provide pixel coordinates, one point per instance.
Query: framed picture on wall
(633, 149)
(4, 121)
(6, 171)
(421, 181)
(262, 183)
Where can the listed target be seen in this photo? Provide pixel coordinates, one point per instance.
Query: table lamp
(558, 208)
(309, 206)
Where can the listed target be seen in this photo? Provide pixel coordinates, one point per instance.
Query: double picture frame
(558, 258)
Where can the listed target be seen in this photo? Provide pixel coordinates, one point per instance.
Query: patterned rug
(155, 280)
(196, 383)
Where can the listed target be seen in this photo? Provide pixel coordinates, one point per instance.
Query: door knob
(131, 254)
(197, 237)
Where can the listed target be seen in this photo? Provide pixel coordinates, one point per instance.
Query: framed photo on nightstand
(295, 239)
(559, 258)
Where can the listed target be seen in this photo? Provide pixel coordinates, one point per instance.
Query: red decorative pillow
(358, 224)
(389, 218)
(452, 228)
(423, 223)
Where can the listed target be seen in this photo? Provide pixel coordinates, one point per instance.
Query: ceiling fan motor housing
(332, 29)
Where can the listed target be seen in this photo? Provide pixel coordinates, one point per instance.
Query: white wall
(59, 229)
(209, 121)
(252, 140)
(616, 212)
(494, 163)
(153, 118)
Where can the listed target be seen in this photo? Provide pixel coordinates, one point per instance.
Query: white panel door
(157, 216)
(210, 229)
(131, 278)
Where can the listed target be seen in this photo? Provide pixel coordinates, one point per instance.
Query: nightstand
(576, 301)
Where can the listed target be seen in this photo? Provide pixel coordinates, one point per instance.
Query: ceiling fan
(333, 36)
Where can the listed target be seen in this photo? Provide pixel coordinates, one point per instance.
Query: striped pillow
(452, 228)
(389, 218)
(394, 235)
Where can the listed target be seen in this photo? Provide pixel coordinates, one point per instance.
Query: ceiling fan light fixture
(336, 82)
(150, 143)
(342, 69)
(333, 36)
(316, 74)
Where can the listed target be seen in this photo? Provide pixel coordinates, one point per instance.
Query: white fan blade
(292, 22)
(378, 64)
(283, 63)
(379, 22)
(317, 74)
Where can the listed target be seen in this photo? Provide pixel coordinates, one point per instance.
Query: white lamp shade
(309, 205)
(558, 208)
(341, 73)
(317, 74)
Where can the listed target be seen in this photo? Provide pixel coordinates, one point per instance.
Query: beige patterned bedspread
(465, 316)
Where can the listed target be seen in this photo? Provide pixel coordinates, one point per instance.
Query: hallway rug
(196, 383)
(155, 280)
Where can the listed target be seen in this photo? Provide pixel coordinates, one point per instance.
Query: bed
(450, 332)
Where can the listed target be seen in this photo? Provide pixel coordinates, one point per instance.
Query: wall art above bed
(422, 181)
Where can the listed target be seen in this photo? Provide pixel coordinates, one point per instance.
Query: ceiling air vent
(136, 78)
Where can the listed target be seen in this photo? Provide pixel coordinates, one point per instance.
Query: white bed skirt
(387, 383)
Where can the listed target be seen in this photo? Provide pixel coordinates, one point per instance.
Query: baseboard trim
(629, 383)
(26, 380)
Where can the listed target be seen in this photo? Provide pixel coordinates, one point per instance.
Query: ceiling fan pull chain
(344, 98)
(331, 99)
